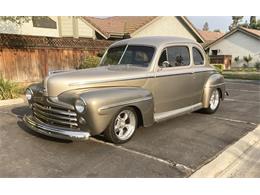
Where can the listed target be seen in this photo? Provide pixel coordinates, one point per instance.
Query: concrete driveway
(175, 148)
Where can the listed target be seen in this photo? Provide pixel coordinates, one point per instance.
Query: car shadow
(28, 130)
(20, 111)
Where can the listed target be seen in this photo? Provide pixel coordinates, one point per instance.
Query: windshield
(132, 54)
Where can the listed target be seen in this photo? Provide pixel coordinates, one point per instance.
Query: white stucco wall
(28, 29)
(239, 44)
(166, 26)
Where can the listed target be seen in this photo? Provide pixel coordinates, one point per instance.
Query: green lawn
(241, 75)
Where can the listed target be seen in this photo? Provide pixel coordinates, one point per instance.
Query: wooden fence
(29, 58)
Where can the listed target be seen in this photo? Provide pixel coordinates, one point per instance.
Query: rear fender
(215, 81)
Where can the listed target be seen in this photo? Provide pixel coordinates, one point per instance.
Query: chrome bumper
(53, 131)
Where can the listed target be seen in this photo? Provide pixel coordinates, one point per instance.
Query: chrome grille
(55, 116)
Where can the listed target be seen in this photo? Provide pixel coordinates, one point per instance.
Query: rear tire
(122, 127)
(214, 102)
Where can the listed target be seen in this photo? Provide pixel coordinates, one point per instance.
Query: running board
(174, 113)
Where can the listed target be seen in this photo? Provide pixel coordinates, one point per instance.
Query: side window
(163, 58)
(197, 56)
(178, 56)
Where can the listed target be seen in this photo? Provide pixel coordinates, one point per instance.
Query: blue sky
(215, 22)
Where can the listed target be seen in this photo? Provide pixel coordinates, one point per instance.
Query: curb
(243, 81)
(226, 159)
(10, 102)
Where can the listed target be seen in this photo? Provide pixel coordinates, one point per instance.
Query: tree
(16, 19)
(236, 20)
(205, 26)
(254, 24)
(252, 20)
(216, 30)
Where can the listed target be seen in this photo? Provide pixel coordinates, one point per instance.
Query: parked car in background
(139, 81)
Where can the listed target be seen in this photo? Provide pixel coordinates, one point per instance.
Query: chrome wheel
(125, 124)
(214, 100)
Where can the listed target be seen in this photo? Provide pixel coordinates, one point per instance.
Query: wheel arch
(104, 103)
(215, 81)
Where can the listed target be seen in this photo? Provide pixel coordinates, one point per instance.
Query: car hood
(58, 83)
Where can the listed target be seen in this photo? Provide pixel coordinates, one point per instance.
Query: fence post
(46, 67)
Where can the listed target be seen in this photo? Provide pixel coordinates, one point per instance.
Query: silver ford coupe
(138, 82)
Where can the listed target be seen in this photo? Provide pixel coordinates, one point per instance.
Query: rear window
(197, 56)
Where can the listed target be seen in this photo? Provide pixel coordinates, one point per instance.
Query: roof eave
(230, 33)
(186, 20)
(94, 28)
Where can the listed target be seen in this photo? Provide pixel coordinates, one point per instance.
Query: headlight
(28, 94)
(80, 105)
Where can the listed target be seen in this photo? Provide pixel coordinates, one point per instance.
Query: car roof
(155, 41)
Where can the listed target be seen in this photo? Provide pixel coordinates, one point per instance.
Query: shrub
(236, 59)
(89, 62)
(247, 59)
(8, 89)
(257, 65)
(219, 67)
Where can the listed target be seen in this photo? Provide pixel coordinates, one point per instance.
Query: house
(109, 28)
(236, 44)
(120, 27)
(209, 36)
(51, 26)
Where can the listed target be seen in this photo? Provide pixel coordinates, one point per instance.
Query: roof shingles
(118, 24)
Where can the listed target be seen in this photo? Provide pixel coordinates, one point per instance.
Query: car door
(201, 73)
(173, 79)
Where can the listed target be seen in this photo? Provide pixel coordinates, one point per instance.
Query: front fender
(215, 81)
(104, 103)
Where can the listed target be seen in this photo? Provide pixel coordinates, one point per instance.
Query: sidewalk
(242, 159)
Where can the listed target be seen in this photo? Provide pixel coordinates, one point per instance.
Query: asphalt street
(174, 148)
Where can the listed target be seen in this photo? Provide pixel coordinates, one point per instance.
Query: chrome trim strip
(62, 122)
(176, 74)
(132, 78)
(214, 85)
(46, 114)
(124, 103)
(53, 131)
(110, 80)
(174, 113)
(55, 110)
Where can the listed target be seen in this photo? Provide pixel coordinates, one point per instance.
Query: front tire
(122, 126)
(214, 102)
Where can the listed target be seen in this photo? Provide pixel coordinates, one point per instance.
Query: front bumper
(53, 131)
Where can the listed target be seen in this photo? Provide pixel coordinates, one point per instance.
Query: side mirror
(165, 64)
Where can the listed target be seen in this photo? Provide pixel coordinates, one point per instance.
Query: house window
(214, 52)
(43, 22)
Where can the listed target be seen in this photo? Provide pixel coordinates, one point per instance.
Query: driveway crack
(180, 167)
